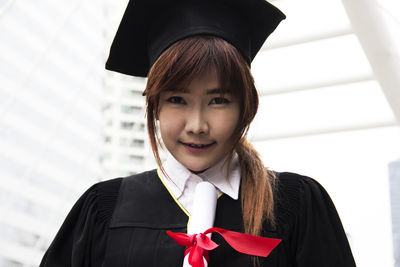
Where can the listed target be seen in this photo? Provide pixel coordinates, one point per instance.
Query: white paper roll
(203, 211)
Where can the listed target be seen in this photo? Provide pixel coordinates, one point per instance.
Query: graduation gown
(123, 222)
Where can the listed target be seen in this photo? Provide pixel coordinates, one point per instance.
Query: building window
(132, 94)
(137, 143)
(105, 157)
(131, 159)
(131, 142)
(131, 109)
(127, 125)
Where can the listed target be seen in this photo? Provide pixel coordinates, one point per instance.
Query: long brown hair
(177, 66)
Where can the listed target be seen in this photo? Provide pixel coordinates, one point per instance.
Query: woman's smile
(196, 147)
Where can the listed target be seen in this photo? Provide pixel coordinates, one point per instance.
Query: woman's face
(197, 122)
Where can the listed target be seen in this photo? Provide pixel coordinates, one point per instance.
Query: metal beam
(372, 32)
(315, 85)
(307, 39)
(259, 137)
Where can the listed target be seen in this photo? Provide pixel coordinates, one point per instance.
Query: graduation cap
(149, 27)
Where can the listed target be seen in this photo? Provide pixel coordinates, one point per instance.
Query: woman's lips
(197, 147)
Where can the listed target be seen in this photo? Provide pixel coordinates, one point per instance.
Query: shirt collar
(217, 175)
(177, 175)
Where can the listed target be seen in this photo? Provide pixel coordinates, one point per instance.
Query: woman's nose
(197, 122)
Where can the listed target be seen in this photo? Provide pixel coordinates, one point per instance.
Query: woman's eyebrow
(177, 91)
(217, 91)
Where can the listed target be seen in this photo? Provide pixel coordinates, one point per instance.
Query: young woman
(201, 98)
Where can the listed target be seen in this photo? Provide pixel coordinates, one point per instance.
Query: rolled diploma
(203, 212)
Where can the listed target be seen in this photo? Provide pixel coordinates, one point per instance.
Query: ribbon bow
(199, 245)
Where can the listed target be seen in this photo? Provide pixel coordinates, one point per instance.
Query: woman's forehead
(203, 90)
(210, 80)
(206, 85)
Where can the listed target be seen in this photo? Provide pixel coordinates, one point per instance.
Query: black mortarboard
(148, 27)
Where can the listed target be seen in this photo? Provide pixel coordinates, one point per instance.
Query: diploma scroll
(203, 212)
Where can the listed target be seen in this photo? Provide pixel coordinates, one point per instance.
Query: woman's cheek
(224, 126)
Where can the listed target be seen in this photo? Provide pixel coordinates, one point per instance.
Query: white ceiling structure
(315, 61)
(329, 82)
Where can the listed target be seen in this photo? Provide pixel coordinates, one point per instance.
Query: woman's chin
(198, 172)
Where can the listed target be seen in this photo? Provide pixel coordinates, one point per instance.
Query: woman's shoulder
(311, 225)
(111, 187)
(296, 194)
(294, 185)
(294, 179)
(89, 220)
(101, 198)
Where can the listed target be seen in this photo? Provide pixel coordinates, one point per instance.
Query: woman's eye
(176, 100)
(219, 101)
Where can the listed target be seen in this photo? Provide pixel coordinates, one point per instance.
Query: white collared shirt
(182, 182)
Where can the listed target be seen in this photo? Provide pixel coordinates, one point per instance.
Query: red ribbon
(199, 245)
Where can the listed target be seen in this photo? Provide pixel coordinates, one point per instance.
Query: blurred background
(329, 82)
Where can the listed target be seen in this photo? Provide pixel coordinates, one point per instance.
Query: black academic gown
(123, 222)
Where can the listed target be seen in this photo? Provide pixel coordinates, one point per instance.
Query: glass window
(131, 159)
(127, 125)
(137, 143)
(131, 142)
(131, 109)
(132, 94)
